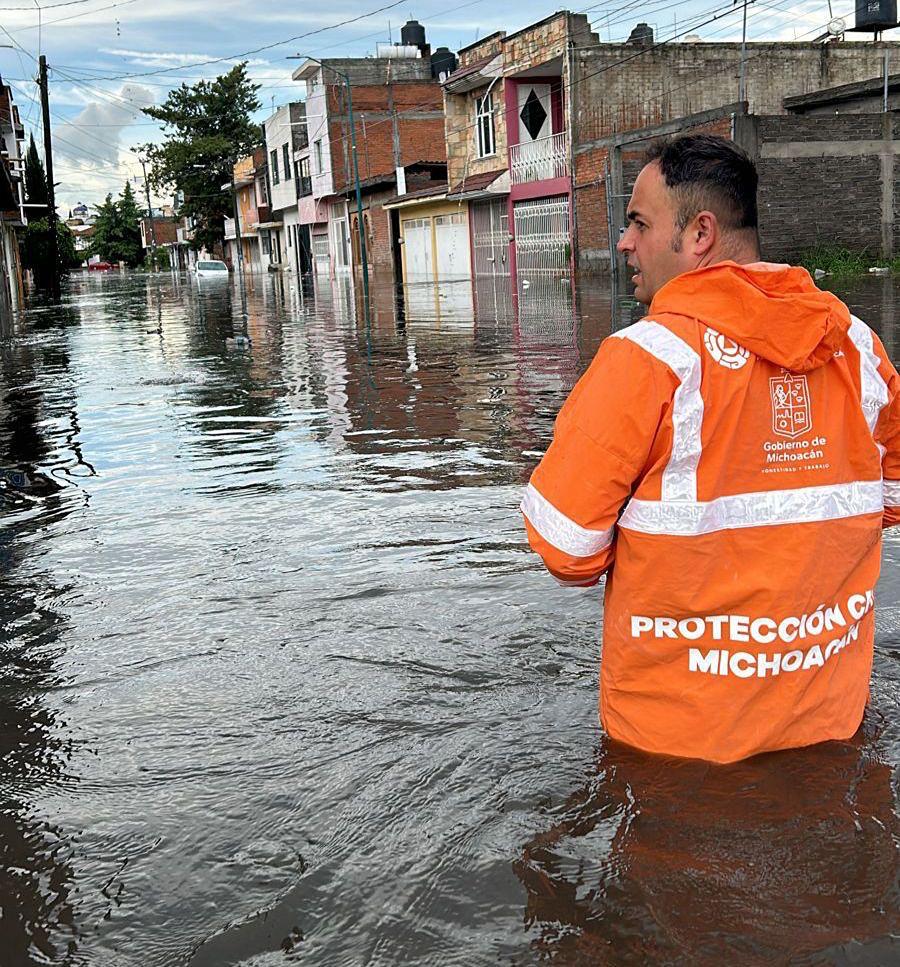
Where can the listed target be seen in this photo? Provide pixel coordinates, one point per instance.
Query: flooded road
(282, 682)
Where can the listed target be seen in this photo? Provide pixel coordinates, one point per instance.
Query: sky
(110, 58)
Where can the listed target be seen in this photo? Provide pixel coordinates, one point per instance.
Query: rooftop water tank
(443, 63)
(643, 35)
(413, 33)
(876, 15)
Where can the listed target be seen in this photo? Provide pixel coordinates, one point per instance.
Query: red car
(99, 266)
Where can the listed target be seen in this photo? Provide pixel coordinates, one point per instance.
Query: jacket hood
(775, 311)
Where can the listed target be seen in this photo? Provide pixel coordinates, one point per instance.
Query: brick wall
(591, 207)
(418, 108)
(592, 231)
(378, 237)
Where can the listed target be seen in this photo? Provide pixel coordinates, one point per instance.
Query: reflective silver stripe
(576, 582)
(874, 391)
(557, 529)
(766, 509)
(679, 479)
(892, 493)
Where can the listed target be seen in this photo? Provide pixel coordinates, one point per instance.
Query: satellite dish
(836, 27)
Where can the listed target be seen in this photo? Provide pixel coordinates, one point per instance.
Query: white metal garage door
(452, 239)
(417, 249)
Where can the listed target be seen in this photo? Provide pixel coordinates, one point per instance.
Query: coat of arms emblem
(790, 405)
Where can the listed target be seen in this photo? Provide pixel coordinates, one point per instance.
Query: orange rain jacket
(729, 461)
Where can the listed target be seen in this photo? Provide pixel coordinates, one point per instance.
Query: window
(318, 147)
(266, 244)
(484, 123)
(304, 182)
(274, 166)
(286, 155)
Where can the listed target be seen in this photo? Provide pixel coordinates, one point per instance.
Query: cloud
(93, 136)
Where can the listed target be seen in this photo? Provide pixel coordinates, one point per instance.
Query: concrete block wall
(621, 87)
(827, 181)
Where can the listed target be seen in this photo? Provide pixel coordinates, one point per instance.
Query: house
(507, 209)
(287, 148)
(12, 198)
(398, 124)
(249, 183)
(161, 231)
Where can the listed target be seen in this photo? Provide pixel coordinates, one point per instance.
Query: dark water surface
(282, 683)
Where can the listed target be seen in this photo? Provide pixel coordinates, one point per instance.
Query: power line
(255, 50)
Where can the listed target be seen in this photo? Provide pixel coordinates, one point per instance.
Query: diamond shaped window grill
(533, 114)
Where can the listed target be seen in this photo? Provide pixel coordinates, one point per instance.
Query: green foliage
(37, 252)
(35, 180)
(841, 263)
(163, 260)
(208, 128)
(117, 234)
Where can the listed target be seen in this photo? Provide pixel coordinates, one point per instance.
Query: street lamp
(359, 210)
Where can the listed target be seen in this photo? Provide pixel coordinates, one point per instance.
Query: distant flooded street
(283, 683)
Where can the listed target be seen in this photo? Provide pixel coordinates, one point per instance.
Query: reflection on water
(282, 682)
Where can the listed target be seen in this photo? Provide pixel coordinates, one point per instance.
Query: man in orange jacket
(728, 462)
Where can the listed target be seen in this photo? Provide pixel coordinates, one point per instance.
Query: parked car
(99, 266)
(211, 269)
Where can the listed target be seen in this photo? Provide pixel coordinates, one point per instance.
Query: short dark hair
(710, 173)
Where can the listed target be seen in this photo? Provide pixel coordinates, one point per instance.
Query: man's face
(651, 234)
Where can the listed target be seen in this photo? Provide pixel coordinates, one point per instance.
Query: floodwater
(281, 682)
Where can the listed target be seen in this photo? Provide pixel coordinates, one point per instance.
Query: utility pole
(150, 216)
(742, 83)
(51, 189)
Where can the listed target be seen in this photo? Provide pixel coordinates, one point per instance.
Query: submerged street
(282, 681)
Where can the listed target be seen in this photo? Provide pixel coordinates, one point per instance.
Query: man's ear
(704, 233)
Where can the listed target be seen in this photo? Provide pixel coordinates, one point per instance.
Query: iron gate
(490, 237)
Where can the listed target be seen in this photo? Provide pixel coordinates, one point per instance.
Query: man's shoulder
(666, 333)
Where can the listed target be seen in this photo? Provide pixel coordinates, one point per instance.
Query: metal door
(542, 244)
(452, 240)
(417, 246)
(490, 237)
(341, 244)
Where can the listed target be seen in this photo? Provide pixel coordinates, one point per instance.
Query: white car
(211, 269)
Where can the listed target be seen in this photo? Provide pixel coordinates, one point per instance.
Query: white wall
(317, 125)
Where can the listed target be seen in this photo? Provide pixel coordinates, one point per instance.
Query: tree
(35, 181)
(117, 234)
(208, 130)
(37, 253)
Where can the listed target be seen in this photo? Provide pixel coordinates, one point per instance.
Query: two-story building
(507, 209)
(398, 126)
(286, 143)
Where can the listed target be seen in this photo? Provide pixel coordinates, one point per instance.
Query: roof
(474, 75)
(436, 191)
(477, 183)
(843, 92)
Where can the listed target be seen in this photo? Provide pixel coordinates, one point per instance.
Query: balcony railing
(539, 160)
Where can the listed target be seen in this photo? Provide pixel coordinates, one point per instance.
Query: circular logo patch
(726, 352)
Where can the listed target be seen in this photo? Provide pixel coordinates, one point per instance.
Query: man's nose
(624, 244)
